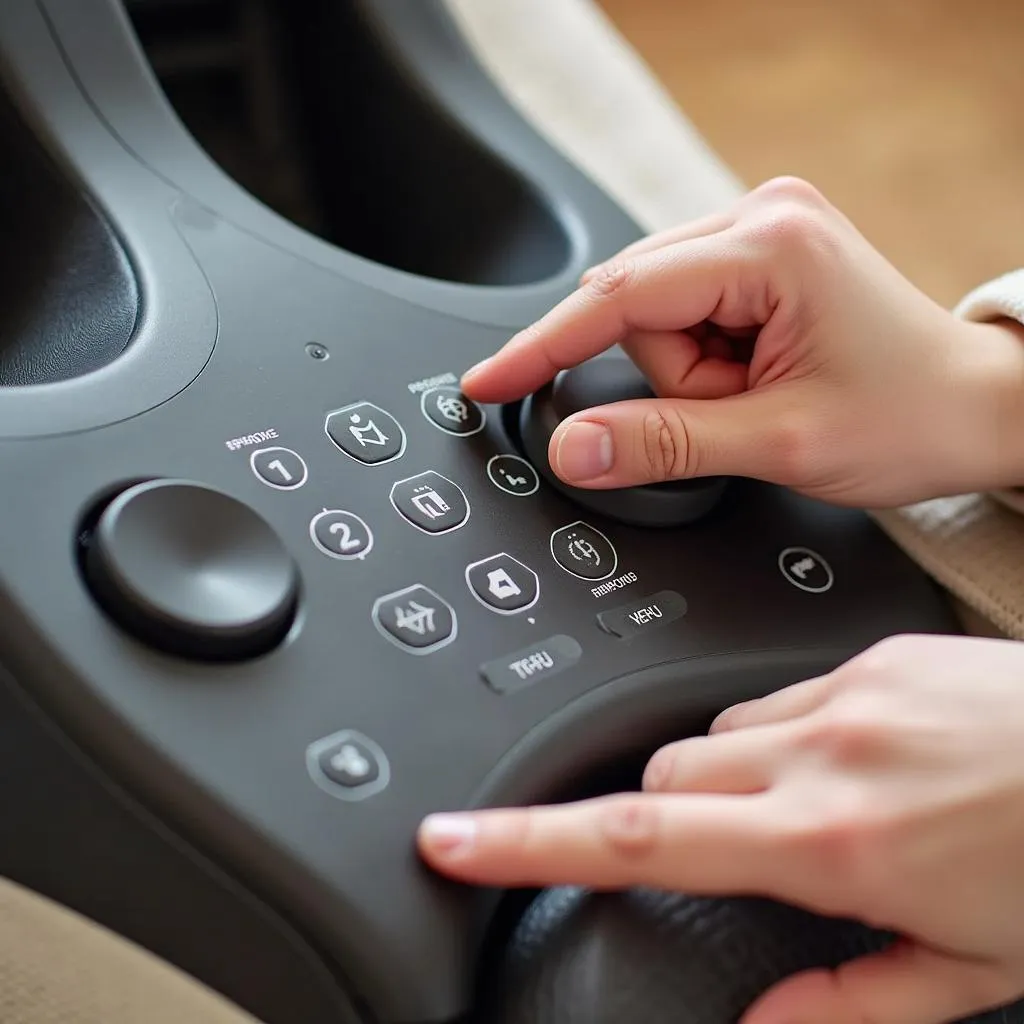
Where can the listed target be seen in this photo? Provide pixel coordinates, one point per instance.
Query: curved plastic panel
(68, 295)
(421, 40)
(177, 329)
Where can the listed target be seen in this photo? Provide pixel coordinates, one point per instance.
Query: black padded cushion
(643, 957)
(68, 294)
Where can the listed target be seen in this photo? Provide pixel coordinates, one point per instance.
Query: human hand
(830, 373)
(890, 791)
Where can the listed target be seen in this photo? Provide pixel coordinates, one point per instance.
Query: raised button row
(430, 502)
(419, 620)
(286, 470)
(437, 506)
(350, 766)
(369, 434)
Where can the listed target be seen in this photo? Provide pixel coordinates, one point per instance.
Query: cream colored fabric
(582, 86)
(58, 968)
(974, 544)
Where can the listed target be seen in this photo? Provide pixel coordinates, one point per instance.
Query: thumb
(906, 984)
(754, 434)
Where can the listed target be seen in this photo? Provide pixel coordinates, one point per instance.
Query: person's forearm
(996, 368)
(997, 308)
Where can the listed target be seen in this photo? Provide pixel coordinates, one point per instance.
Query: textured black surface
(647, 957)
(68, 297)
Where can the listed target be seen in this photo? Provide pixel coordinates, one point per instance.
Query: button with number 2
(279, 467)
(341, 534)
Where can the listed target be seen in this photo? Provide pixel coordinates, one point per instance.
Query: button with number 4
(279, 467)
(341, 534)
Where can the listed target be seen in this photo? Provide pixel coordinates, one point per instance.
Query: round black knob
(192, 571)
(610, 378)
(669, 957)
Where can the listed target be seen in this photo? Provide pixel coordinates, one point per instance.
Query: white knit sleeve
(995, 300)
(1003, 297)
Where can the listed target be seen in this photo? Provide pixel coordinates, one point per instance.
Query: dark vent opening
(305, 106)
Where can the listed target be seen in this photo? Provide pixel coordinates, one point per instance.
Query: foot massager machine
(272, 589)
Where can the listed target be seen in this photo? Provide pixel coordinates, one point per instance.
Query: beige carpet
(909, 114)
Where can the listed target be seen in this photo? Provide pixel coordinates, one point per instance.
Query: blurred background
(908, 114)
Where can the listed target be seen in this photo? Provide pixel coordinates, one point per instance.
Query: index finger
(667, 290)
(696, 843)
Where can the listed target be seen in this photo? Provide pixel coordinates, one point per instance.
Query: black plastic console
(271, 589)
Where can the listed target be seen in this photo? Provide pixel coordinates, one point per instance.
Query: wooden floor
(909, 114)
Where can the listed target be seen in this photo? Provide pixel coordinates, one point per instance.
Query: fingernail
(724, 719)
(720, 722)
(656, 772)
(449, 833)
(584, 452)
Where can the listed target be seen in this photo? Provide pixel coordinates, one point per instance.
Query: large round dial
(607, 379)
(192, 571)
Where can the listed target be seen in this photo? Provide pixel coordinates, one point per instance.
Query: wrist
(991, 356)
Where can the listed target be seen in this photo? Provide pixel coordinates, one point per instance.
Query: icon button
(348, 765)
(279, 467)
(637, 617)
(503, 584)
(366, 433)
(584, 552)
(806, 570)
(451, 411)
(340, 534)
(513, 475)
(431, 502)
(532, 664)
(417, 619)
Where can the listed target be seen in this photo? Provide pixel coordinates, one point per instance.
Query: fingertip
(722, 722)
(473, 377)
(657, 772)
(735, 716)
(804, 998)
(447, 837)
(487, 383)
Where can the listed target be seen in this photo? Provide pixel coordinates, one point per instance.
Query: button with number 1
(279, 467)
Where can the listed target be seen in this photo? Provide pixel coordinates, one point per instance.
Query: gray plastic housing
(172, 799)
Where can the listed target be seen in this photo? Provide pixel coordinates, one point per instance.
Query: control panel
(327, 598)
(280, 589)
